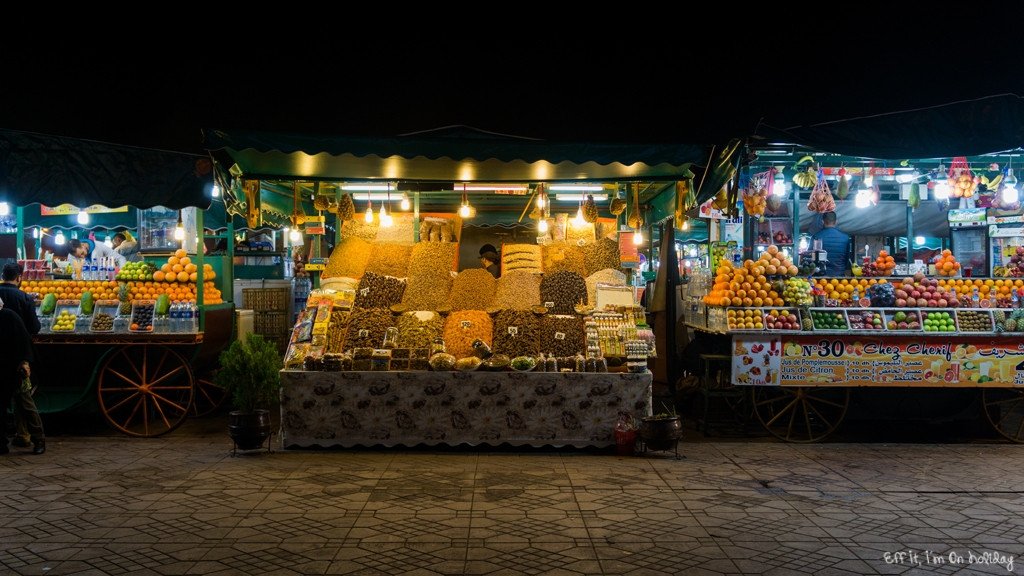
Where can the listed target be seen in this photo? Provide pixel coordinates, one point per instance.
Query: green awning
(452, 155)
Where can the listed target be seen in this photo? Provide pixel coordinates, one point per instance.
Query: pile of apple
(781, 320)
(921, 292)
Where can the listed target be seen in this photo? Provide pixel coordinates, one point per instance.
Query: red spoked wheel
(145, 390)
(209, 396)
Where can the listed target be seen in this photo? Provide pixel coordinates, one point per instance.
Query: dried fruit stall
(408, 339)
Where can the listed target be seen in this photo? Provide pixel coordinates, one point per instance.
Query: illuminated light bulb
(686, 225)
(383, 213)
(35, 232)
(5, 208)
(868, 180)
(83, 217)
(638, 237)
(369, 215)
(863, 199)
(918, 240)
(579, 220)
(1010, 195)
(296, 236)
(215, 191)
(779, 185)
(941, 190)
(464, 211)
(179, 232)
(540, 202)
(542, 226)
(59, 238)
(405, 202)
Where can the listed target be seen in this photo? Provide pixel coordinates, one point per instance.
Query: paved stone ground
(106, 504)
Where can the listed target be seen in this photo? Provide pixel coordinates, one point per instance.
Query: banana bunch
(1001, 272)
(806, 178)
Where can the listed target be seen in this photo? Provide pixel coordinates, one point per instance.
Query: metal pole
(229, 270)
(315, 239)
(910, 236)
(200, 292)
(20, 213)
(416, 216)
(668, 242)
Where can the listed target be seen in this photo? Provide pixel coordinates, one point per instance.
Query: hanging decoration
(961, 181)
(755, 193)
(298, 215)
(805, 177)
(634, 220)
(842, 185)
(617, 205)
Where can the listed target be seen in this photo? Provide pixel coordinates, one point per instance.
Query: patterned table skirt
(409, 408)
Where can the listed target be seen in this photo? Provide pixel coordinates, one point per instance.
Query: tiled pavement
(106, 504)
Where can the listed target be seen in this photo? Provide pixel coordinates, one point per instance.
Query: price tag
(466, 323)
(559, 335)
(364, 333)
(581, 242)
(364, 291)
(513, 331)
(549, 304)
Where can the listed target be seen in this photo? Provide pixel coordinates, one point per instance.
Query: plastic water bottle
(174, 317)
(194, 326)
(187, 318)
(94, 270)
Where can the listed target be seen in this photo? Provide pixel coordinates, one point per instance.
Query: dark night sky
(669, 90)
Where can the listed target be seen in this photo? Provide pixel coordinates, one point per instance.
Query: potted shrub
(661, 431)
(251, 372)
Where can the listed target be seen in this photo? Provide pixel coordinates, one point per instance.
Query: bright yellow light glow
(464, 211)
(542, 226)
(369, 215)
(638, 237)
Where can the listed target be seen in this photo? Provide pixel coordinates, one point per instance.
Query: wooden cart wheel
(801, 414)
(1004, 408)
(145, 390)
(742, 406)
(209, 396)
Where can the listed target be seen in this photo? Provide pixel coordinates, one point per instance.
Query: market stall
(407, 339)
(933, 287)
(127, 341)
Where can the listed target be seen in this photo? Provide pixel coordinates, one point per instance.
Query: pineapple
(999, 316)
(126, 305)
(1010, 325)
(590, 209)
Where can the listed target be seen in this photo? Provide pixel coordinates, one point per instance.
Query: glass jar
(390, 338)
(438, 347)
(481, 349)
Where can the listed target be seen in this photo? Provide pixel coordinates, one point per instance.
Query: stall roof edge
(448, 156)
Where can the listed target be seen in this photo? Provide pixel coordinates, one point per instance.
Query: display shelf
(118, 338)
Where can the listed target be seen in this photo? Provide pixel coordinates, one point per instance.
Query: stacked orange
(885, 263)
(177, 292)
(843, 288)
(985, 286)
(71, 289)
(747, 286)
(947, 265)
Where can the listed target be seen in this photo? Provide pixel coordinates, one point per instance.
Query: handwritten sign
(513, 331)
(549, 304)
(364, 333)
(559, 335)
(466, 323)
(885, 361)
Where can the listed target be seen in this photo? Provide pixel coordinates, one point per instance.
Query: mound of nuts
(517, 290)
(348, 258)
(564, 290)
(419, 329)
(376, 291)
(432, 257)
(389, 260)
(601, 255)
(463, 327)
(562, 335)
(473, 289)
(427, 291)
(516, 333)
(366, 328)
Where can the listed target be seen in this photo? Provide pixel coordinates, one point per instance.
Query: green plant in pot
(661, 431)
(250, 370)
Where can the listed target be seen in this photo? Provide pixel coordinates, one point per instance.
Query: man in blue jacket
(835, 243)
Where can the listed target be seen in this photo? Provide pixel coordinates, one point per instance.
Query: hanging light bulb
(941, 190)
(369, 209)
(35, 232)
(59, 238)
(464, 211)
(405, 201)
(179, 230)
(83, 217)
(542, 226)
(686, 224)
(868, 178)
(540, 200)
(1010, 195)
(579, 220)
(779, 184)
(215, 191)
(638, 237)
(296, 236)
(863, 198)
(5, 208)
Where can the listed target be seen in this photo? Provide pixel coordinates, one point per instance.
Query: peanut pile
(389, 260)
(473, 289)
(427, 291)
(348, 258)
(517, 291)
(432, 257)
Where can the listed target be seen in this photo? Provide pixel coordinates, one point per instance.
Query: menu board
(872, 361)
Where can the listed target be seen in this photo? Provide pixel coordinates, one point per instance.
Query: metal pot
(660, 433)
(249, 430)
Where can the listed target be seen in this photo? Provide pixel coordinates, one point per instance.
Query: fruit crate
(72, 307)
(967, 321)
(857, 316)
(791, 312)
(754, 314)
(890, 315)
(930, 316)
(271, 323)
(266, 299)
(843, 324)
(143, 312)
(108, 307)
(1006, 314)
